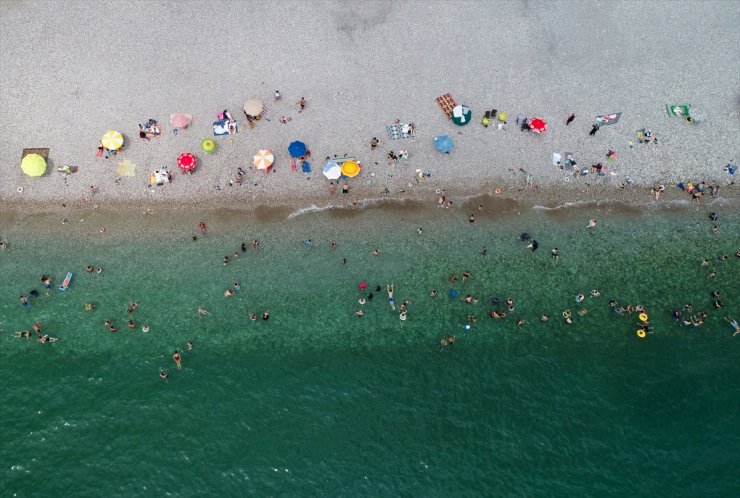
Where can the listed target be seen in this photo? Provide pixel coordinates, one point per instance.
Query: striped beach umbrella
(350, 169)
(332, 170)
(33, 165)
(187, 162)
(263, 159)
(112, 140)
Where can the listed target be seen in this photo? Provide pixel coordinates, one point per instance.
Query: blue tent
(444, 143)
(297, 149)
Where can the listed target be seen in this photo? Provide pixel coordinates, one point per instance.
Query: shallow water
(317, 401)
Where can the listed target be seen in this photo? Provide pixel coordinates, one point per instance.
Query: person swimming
(524, 237)
(533, 245)
(391, 300)
(164, 375)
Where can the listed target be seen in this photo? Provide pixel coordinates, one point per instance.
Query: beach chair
(446, 103)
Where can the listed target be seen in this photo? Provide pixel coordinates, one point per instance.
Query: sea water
(317, 401)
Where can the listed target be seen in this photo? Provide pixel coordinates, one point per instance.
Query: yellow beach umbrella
(112, 140)
(127, 168)
(33, 165)
(350, 169)
(263, 159)
(208, 145)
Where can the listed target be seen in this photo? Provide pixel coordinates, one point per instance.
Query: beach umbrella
(208, 145)
(350, 169)
(187, 162)
(443, 143)
(263, 159)
(253, 107)
(127, 168)
(297, 149)
(461, 115)
(112, 140)
(33, 165)
(181, 120)
(332, 170)
(538, 125)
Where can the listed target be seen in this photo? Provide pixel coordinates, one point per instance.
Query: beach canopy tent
(297, 149)
(33, 165)
(332, 170)
(461, 115)
(443, 143)
(127, 168)
(263, 159)
(181, 120)
(538, 125)
(253, 107)
(208, 145)
(350, 169)
(112, 140)
(187, 162)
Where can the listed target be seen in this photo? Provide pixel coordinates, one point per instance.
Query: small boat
(66, 282)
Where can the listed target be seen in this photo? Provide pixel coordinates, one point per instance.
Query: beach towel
(446, 103)
(292, 165)
(608, 119)
(399, 131)
(306, 167)
(680, 111)
(224, 127)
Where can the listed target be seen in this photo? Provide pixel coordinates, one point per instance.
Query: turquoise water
(318, 402)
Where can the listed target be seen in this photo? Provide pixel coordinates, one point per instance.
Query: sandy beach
(361, 66)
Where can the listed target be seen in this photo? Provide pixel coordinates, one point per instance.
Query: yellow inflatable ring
(641, 334)
(498, 190)
(643, 317)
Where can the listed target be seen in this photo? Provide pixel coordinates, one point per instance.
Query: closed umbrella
(297, 149)
(350, 169)
(263, 159)
(112, 140)
(253, 107)
(187, 162)
(461, 115)
(33, 165)
(444, 143)
(538, 125)
(181, 120)
(332, 170)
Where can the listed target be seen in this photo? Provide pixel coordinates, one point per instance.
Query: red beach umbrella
(538, 125)
(187, 162)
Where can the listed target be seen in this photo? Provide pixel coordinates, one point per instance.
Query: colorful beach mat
(399, 131)
(224, 127)
(608, 119)
(446, 103)
(678, 111)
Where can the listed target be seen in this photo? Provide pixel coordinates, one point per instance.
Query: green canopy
(33, 165)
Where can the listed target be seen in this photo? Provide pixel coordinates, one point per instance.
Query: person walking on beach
(374, 143)
(594, 129)
(570, 119)
(277, 96)
(203, 228)
(176, 356)
(302, 103)
(391, 300)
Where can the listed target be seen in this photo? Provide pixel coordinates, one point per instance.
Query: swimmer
(164, 375)
(715, 293)
(582, 311)
(101, 230)
(433, 293)
(107, 323)
(391, 300)
(375, 252)
(266, 315)
(483, 251)
(131, 324)
(176, 356)
(145, 328)
(132, 307)
(712, 216)
(734, 325)
(465, 275)
(24, 301)
(453, 278)
(361, 301)
(533, 245)
(360, 313)
(704, 262)
(718, 304)
(640, 308)
(419, 230)
(613, 303)
(89, 268)
(712, 273)
(244, 247)
(190, 345)
(472, 318)
(554, 253)
(255, 244)
(253, 317)
(47, 283)
(591, 223)
(521, 322)
(308, 243)
(567, 314)
(545, 317)
(333, 245)
(25, 334)
(228, 292)
(3, 244)
(580, 298)
(203, 228)
(595, 293)
(112, 329)
(509, 301)
(226, 260)
(469, 299)
(235, 255)
(46, 339)
(98, 270)
(236, 286)
(471, 219)
(37, 327)
(343, 261)
(402, 316)
(202, 311)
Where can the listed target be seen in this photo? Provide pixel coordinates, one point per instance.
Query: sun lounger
(446, 103)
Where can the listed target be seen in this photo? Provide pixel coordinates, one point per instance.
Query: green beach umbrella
(461, 115)
(208, 145)
(33, 165)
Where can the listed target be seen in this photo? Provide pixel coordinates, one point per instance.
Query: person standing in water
(391, 300)
(176, 356)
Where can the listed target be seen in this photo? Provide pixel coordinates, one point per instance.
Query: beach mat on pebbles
(446, 103)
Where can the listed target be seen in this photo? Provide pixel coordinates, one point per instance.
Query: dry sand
(72, 70)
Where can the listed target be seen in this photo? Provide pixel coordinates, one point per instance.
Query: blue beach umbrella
(297, 149)
(444, 143)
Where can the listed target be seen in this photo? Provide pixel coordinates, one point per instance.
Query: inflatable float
(65, 283)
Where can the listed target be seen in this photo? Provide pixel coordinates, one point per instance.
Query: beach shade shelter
(112, 140)
(332, 170)
(297, 149)
(461, 115)
(33, 165)
(181, 120)
(187, 162)
(538, 125)
(350, 169)
(253, 107)
(263, 159)
(127, 168)
(444, 143)
(208, 145)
